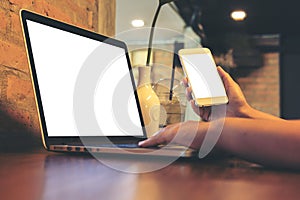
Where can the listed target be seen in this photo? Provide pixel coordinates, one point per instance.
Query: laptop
(85, 91)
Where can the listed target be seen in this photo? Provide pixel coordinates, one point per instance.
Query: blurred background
(255, 41)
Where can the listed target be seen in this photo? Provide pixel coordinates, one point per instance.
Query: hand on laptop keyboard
(189, 134)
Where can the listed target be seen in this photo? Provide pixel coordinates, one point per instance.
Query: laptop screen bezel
(28, 15)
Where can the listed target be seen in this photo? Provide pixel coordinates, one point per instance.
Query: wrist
(251, 113)
(246, 111)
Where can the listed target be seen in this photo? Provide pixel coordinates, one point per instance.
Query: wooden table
(46, 175)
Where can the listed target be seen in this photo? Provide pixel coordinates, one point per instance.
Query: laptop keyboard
(121, 145)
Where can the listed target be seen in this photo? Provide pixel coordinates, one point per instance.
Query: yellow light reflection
(238, 15)
(137, 23)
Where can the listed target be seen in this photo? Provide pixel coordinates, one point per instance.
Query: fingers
(188, 93)
(185, 82)
(152, 141)
(161, 137)
(195, 107)
(205, 113)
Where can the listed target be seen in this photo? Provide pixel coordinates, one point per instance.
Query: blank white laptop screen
(59, 56)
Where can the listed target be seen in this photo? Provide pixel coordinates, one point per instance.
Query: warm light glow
(238, 15)
(137, 23)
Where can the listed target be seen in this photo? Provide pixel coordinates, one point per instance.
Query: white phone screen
(203, 75)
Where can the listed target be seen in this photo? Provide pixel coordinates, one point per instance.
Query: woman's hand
(237, 105)
(190, 134)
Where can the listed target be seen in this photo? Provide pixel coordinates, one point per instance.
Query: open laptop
(85, 91)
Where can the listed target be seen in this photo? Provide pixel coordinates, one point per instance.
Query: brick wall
(261, 85)
(18, 115)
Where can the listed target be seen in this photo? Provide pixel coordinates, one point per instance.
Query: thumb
(226, 78)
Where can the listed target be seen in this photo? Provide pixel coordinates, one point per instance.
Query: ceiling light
(238, 15)
(137, 23)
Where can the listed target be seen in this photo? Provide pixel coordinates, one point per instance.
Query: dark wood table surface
(47, 175)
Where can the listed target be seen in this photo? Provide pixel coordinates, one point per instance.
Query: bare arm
(262, 141)
(267, 142)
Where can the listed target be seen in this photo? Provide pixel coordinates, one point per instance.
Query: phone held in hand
(201, 71)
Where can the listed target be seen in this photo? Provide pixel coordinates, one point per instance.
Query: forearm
(263, 141)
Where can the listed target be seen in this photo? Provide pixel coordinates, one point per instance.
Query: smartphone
(201, 71)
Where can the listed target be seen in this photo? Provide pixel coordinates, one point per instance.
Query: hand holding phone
(201, 72)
